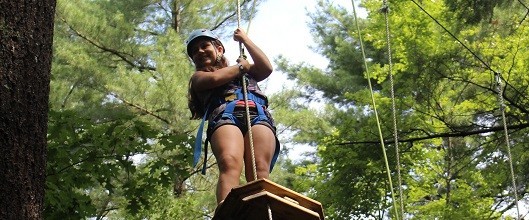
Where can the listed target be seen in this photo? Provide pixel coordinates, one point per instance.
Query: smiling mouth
(203, 59)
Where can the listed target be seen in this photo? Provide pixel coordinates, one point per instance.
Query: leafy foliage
(453, 157)
(119, 131)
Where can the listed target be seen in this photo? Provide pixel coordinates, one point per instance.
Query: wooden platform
(251, 201)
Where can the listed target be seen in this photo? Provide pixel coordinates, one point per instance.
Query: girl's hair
(194, 103)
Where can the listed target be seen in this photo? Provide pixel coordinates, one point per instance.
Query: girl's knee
(262, 166)
(228, 163)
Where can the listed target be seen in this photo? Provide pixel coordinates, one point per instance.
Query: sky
(280, 27)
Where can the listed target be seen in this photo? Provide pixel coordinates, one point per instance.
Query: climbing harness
(231, 103)
(388, 171)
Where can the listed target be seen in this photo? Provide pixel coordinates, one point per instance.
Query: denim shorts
(238, 118)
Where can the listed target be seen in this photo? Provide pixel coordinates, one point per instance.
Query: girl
(216, 93)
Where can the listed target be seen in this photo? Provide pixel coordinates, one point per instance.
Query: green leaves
(452, 149)
(118, 157)
(119, 133)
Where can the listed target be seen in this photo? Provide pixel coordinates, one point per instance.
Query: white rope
(507, 142)
(385, 9)
(245, 94)
(249, 124)
(269, 212)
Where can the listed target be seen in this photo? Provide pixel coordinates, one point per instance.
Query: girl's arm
(202, 80)
(261, 68)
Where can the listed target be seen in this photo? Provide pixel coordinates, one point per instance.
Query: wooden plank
(281, 208)
(281, 191)
(234, 207)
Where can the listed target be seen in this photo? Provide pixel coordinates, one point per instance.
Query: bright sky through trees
(281, 28)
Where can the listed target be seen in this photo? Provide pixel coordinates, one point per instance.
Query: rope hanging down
(385, 10)
(245, 94)
(506, 131)
(388, 171)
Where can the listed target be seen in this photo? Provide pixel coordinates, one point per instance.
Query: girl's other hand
(245, 64)
(239, 35)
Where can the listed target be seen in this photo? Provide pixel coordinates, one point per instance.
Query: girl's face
(204, 52)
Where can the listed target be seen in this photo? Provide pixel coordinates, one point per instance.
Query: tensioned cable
(388, 171)
(385, 10)
(241, 48)
(527, 13)
(457, 39)
(501, 100)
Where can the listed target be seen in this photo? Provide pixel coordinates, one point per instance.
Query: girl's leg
(227, 145)
(264, 142)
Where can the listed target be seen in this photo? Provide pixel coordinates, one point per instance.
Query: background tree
(448, 112)
(26, 33)
(120, 136)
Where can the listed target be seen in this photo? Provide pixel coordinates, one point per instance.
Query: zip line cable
(499, 80)
(527, 13)
(388, 171)
(385, 10)
(455, 38)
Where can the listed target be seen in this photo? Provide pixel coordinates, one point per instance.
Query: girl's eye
(204, 45)
(200, 46)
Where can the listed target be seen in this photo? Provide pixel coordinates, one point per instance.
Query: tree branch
(122, 56)
(440, 135)
(144, 110)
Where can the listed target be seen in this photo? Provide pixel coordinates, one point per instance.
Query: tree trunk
(26, 36)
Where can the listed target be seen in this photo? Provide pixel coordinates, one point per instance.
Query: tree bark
(26, 37)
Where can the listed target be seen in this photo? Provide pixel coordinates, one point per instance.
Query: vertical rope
(241, 48)
(269, 212)
(507, 142)
(385, 10)
(249, 124)
(388, 171)
(245, 94)
(250, 20)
